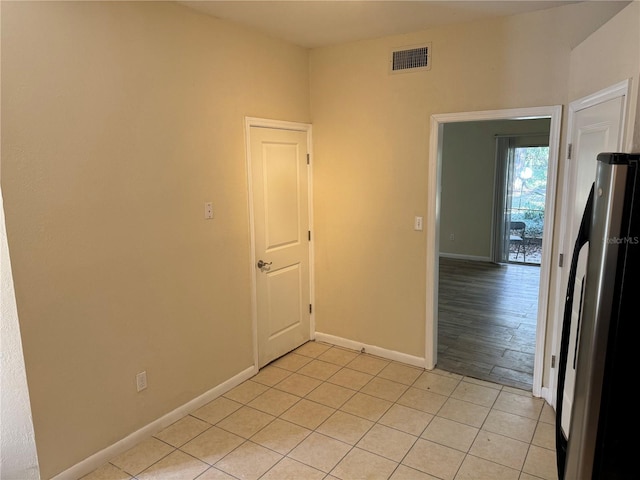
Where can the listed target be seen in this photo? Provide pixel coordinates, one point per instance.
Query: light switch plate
(141, 381)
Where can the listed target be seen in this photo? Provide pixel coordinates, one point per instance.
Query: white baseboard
(103, 456)
(458, 256)
(372, 349)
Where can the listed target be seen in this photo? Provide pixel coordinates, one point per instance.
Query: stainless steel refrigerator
(602, 440)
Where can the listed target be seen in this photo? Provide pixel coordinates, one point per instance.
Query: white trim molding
(620, 89)
(372, 349)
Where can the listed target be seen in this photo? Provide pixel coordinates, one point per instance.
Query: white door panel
(285, 312)
(595, 129)
(281, 223)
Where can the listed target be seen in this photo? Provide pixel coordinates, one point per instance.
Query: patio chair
(518, 239)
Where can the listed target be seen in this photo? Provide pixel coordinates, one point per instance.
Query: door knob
(262, 264)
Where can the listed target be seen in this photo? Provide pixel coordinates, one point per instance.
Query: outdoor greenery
(529, 188)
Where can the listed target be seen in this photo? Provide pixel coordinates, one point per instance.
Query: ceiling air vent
(410, 59)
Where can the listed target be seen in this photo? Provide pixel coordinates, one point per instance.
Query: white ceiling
(313, 23)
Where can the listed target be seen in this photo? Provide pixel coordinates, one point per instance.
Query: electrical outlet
(417, 224)
(452, 237)
(141, 381)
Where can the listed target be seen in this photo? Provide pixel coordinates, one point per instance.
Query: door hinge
(308, 159)
(553, 361)
(569, 151)
(309, 232)
(310, 308)
(561, 260)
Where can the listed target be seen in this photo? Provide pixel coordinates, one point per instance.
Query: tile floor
(323, 412)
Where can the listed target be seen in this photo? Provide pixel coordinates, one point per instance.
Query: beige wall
(371, 133)
(468, 176)
(120, 121)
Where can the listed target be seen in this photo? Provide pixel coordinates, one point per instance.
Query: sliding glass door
(521, 181)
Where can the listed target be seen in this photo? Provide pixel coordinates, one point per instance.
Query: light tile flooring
(323, 412)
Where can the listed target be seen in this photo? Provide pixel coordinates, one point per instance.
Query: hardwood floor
(487, 321)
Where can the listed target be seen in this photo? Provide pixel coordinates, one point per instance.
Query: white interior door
(595, 129)
(280, 197)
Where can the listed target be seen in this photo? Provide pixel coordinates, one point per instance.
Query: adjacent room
(221, 234)
(493, 189)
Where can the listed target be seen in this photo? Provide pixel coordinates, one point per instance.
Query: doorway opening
(491, 204)
(433, 225)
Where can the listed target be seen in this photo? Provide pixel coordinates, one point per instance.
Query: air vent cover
(410, 59)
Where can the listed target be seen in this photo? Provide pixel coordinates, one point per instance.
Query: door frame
(278, 125)
(620, 89)
(554, 112)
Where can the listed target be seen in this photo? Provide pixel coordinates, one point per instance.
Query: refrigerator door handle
(581, 240)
